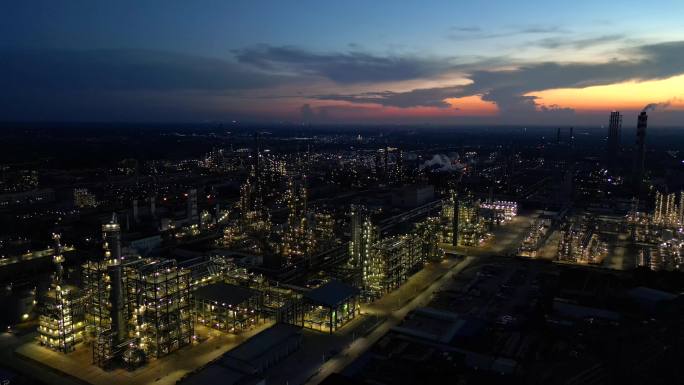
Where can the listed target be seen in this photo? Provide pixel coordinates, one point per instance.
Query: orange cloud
(473, 106)
(622, 96)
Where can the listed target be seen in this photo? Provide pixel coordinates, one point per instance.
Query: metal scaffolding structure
(110, 304)
(164, 308)
(61, 323)
(393, 260)
(228, 307)
(141, 308)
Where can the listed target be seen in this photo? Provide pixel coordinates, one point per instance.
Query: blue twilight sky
(343, 61)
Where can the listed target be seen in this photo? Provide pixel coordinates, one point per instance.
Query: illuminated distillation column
(356, 224)
(60, 322)
(364, 235)
(657, 211)
(57, 258)
(369, 237)
(111, 237)
(670, 210)
(681, 209)
(450, 225)
(666, 212)
(297, 226)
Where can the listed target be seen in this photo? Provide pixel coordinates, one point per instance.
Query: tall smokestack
(640, 150)
(614, 129)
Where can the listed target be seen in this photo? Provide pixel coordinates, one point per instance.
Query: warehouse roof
(224, 293)
(332, 293)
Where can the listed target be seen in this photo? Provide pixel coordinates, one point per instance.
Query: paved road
(395, 313)
(9, 342)
(25, 355)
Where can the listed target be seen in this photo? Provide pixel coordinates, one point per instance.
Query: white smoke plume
(440, 162)
(660, 106)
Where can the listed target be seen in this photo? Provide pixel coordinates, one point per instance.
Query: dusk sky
(443, 62)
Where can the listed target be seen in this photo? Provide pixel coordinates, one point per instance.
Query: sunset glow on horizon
(631, 95)
(530, 62)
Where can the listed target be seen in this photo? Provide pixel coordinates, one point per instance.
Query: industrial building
(580, 242)
(84, 198)
(135, 308)
(246, 364)
(323, 228)
(61, 322)
(330, 306)
(462, 221)
(449, 219)
(470, 224)
(538, 234)
(142, 304)
(498, 212)
(392, 261)
(227, 307)
(297, 238)
(667, 211)
(364, 234)
(427, 233)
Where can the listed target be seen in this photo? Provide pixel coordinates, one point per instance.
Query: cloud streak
(564, 42)
(477, 33)
(344, 68)
(509, 88)
(125, 70)
(430, 97)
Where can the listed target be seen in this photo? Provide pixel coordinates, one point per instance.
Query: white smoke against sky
(440, 162)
